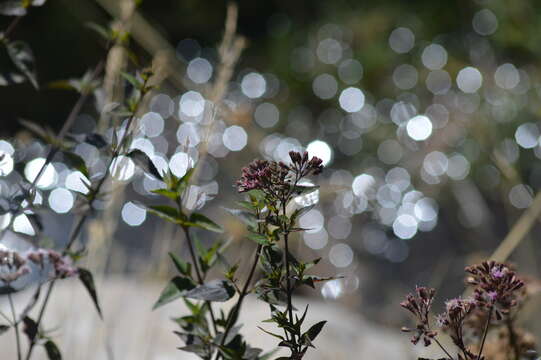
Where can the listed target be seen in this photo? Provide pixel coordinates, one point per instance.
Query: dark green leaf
(201, 221)
(76, 162)
(272, 334)
(23, 58)
(30, 328)
(177, 287)
(300, 212)
(183, 267)
(4, 328)
(96, 139)
(218, 290)
(258, 238)
(166, 212)
(53, 353)
(198, 349)
(314, 331)
(102, 31)
(88, 281)
(12, 8)
(131, 79)
(144, 162)
(167, 193)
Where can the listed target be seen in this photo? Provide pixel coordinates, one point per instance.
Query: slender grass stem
(288, 281)
(485, 332)
(11, 27)
(15, 327)
(235, 311)
(443, 349)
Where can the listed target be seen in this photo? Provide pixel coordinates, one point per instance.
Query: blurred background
(425, 113)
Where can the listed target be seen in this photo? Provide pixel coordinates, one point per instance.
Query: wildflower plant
(497, 292)
(270, 188)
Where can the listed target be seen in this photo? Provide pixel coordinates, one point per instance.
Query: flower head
(419, 305)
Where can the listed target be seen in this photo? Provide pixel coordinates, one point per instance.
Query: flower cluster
(62, 266)
(277, 178)
(496, 286)
(12, 266)
(453, 319)
(419, 306)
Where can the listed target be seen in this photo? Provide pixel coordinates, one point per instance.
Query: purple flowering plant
(497, 295)
(270, 217)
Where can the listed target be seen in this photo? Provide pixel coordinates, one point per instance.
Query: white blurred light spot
(401, 40)
(426, 209)
(312, 221)
(47, 179)
(435, 163)
(350, 71)
(332, 289)
(188, 134)
(484, 22)
(329, 51)
(351, 99)
(132, 214)
(253, 85)
(235, 138)
(22, 224)
(122, 168)
(61, 200)
(325, 86)
(469, 79)
(6, 163)
(341, 255)
(152, 124)
(362, 184)
(527, 135)
(320, 149)
(520, 196)
(76, 181)
(266, 115)
(419, 128)
(507, 76)
(434, 57)
(316, 240)
(405, 226)
(179, 164)
(192, 104)
(199, 70)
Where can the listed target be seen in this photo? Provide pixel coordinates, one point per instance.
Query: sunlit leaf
(219, 290)
(145, 163)
(201, 221)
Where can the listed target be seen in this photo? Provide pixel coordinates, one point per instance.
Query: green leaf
(258, 238)
(76, 162)
(12, 8)
(88, 281)
(184, 268)
(144, 162)
(201, 221)
(167, 193)
(102, 31)
(53, 353)
(300, 212)
(272, 334)
(314, 331)
(132, 80)
(218, 290)
(244, 216)
(246, 205)
(23, 58)
(30, 328)
(176, 288)
(166, 212)
(4, 328)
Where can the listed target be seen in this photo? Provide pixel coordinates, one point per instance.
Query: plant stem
(288, 283)
(11, 27)
(513, 338)
(443, 349)
(485, 332)
(16, 327)
(232, 318)
(200, 279)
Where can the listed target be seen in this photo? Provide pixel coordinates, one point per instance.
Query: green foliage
(53, 352)
(87, 279)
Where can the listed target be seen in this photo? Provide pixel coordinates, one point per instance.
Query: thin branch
(485, 332)
(15, 327)
(443, 349)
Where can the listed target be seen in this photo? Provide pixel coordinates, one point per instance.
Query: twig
(232, 318)
(11, 27)
(15, 327)
(485, 332)
(443, 349)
